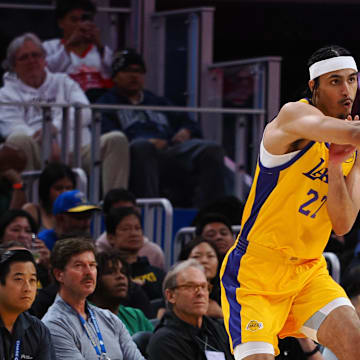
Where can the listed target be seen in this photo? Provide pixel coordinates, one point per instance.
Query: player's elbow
(342, 228)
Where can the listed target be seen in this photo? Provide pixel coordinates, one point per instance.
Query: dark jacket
(174, 339)
(34, 337)
(151, 276)
(144, 124)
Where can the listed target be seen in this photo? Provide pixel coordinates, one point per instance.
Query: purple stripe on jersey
(231, 283)
(266, 182)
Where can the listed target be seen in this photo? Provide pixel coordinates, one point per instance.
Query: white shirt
(57, 88)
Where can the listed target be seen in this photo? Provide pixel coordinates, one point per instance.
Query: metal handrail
(94, 189)
(142, 107)
(52, 7)
(188, 232)
(162, 234)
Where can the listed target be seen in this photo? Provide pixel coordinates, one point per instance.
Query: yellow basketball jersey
(286, 208)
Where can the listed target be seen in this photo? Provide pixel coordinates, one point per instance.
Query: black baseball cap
(125, 58)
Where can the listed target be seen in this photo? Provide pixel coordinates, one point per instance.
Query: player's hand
(349, 118)
(340, 153)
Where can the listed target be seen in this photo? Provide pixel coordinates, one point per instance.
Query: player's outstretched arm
(298, 120)
(343, 201)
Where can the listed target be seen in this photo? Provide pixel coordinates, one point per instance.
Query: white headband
(335, 63)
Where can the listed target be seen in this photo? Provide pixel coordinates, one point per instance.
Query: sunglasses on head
(8, 254)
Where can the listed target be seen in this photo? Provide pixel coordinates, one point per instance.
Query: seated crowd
(63, 293)
(121, 271)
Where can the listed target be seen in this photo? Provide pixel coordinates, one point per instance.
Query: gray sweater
(71, 341)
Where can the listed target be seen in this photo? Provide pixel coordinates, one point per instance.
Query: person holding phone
(80, 52)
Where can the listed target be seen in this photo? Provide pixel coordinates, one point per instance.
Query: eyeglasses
(192, 287)
(7, 255)
(25, 57)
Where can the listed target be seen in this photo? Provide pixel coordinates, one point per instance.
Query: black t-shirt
(151, 277)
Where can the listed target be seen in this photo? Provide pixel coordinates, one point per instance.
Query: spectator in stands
(124, 198)
(185, 332)
(80, 52)
(78, 329)
(205, 252)
(230, 206)
(216, 228)
(168, 156)
(124, 232)
(45, 297)
(17, 226)
(72, 214)
(113, 287)
(12, 163)
(23, 336)
(54, 180)
(29, 81)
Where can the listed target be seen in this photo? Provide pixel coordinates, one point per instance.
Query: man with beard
(78, 329)
(185, 332)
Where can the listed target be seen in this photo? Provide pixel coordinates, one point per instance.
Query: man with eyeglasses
(185, 332)
(23, 336)
(28, 81)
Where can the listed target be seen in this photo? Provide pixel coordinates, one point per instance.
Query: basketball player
(307, 182)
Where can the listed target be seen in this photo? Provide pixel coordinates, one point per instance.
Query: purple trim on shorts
(266, 182)
(231, 283)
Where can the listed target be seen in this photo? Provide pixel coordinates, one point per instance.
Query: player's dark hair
(326, 52)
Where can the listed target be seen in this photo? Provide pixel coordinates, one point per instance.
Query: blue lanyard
(17, 350)
(98, 332)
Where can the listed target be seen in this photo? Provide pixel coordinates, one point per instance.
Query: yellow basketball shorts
(265, 294)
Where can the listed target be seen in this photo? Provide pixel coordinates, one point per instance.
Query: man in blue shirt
(79, 330)
(72, 215)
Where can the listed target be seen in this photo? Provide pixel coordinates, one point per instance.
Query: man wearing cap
(23, 336)
(72, 215)
(165, 148)
(275, 281)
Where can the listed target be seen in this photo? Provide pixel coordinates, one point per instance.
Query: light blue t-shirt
(71, 341)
